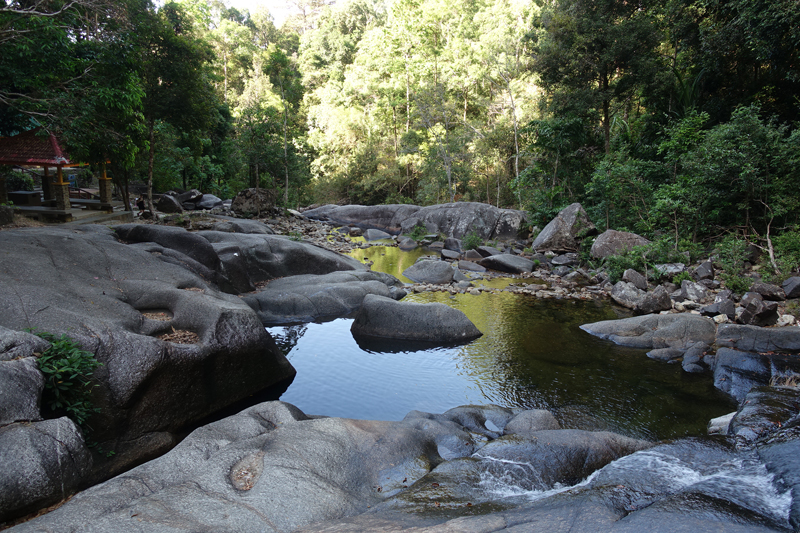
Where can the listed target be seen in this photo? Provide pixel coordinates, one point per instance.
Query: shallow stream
(532, 355)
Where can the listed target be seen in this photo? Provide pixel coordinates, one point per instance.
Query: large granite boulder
(314, 298)
(565, 231)
(462, 218)
(160, 331)
(272, 468)
(613, 242)
(453, 220)
(44, 462)
(384, 318)
(679, 331)
(756, 339)
(250, 202)
(21, 385)
(169, 204)
(430, 271)
(388, 218)
(627, 294)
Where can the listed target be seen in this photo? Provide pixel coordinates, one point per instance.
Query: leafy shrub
(644, 258)
(418, 231)
(787, 251)
(471, 240)
(16, 181)
(68, 373)
(731, 252)
(678, 278)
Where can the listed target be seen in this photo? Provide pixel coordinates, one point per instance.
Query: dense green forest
(664, 117)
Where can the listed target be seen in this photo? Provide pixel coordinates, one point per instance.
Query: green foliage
(295, 236)
(731, 252)
(787, 251)
(644, 258)
(683, 276)
(68, 377)
(471, 240)
(418, 231)
(16, 181)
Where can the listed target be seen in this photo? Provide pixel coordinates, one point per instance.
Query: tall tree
(596, 55)
(176, 84)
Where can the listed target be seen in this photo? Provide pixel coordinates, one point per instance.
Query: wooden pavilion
(36, 148)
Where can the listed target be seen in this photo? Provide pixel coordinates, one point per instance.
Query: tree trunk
(150, 161)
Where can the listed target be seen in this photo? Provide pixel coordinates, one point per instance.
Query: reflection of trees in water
(286, 337)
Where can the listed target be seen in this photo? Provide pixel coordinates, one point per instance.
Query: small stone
(721, 319)
(785, 320)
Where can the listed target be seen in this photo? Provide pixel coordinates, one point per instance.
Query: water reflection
(532, 355)
(391, 260)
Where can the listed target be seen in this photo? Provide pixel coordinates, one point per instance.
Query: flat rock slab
(656, 331)
(385, 318)
(309, 298)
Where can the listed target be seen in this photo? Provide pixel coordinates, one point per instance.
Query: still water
(532, 355)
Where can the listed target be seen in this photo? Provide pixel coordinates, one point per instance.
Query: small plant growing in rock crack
(68, 374)
(418, 231)
(678, 278)
(471, 240)
(295, 236)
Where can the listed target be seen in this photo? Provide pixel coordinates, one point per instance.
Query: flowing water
(532, 355)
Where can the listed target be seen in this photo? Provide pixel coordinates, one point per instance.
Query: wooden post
(47, 186)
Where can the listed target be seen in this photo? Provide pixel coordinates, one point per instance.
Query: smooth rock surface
(310, 298)
(656, 331)
(513, 264)
(384, 318)
(436, 272)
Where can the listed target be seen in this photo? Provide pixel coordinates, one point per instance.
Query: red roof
(29, 148)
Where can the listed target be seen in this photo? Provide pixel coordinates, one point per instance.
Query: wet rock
(665, 354)
(512, 264)
(737, 372)
(720, 425)
(528, 422)
(612, 242)
(695, 359)
(565, 231)
(626, 294)
(43, 463)
(428, 271)
(768, 291)
(558, 456)
(384, 318)
(312, 298)
(631, 276)
(756, 339)
(764, 411)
